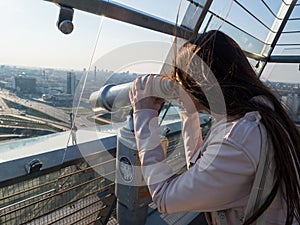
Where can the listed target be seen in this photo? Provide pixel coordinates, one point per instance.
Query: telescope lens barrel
(113, 97)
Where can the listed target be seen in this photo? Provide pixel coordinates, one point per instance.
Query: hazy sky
(29, 36)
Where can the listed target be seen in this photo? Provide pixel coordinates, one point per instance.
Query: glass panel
(221, 7)
(120, 59)
(247, 42)
(40, 67)
(235, 14)
(50, 107)
(289, 39)
(292, 25)
(167, 9)
(259, 26)
(283, 72)
(284, 78)
(259, 10)
(193, 14)
(296, 12)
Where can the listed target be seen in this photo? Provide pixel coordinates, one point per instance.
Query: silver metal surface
(126, 14)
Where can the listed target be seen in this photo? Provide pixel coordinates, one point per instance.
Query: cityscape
(289, 94)
(37, 101)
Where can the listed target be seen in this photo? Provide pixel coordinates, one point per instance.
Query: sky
(29, 36)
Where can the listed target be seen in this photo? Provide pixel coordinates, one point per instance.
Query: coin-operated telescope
(113, 97)
(130, 188)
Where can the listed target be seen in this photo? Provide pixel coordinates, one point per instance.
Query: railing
(75, 192)
(64, 196)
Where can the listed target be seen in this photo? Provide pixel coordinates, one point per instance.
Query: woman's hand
(142, 98)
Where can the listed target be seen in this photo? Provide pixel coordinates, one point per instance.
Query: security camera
(65, 18)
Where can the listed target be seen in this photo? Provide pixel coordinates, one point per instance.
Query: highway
(51, 111)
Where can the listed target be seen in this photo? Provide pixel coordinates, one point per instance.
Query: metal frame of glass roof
(117, 11)
(281, 58)
(129, 15)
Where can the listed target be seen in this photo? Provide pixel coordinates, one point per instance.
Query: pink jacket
(220, 173)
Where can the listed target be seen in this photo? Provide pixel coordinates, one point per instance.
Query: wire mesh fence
(67, 196)
(74, 194)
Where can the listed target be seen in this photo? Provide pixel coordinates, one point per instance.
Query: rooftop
(68, 176)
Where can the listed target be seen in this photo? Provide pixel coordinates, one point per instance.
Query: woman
(222, 168)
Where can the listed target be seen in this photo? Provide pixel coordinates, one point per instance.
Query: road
(38, 106)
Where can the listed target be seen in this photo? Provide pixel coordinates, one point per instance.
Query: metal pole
(132, 197)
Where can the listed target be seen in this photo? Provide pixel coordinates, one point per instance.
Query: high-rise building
(71, 83)
(291, 101)
(25, 85)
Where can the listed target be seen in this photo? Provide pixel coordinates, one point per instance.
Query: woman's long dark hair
(240, 84)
